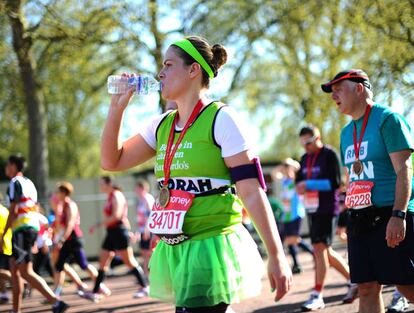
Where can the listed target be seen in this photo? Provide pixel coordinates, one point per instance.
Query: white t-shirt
(229, 132)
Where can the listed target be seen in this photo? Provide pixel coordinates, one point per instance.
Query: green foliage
(13, 135)
(286, 49)
(281, 51)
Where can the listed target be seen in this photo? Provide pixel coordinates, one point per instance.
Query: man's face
(345, 96)
(308, 142)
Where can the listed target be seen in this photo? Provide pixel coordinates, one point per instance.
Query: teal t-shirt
(386, 132)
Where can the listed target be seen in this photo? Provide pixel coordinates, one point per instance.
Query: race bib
(358, 195)
(311, 201)
(169, 220)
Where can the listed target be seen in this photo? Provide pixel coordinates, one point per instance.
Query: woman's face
(174, 75)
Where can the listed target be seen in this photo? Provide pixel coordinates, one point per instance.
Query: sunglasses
(306, 142)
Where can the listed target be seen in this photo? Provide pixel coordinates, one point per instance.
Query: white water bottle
(144, 85)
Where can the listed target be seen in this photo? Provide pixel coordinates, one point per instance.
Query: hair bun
(219, 56)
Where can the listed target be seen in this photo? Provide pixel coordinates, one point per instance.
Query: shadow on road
(296, 307)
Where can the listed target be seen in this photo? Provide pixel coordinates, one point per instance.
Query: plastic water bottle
(144, 85)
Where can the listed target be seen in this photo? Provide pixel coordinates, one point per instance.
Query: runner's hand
(301, 187)
(341, 233)
(280, 276)
(395, 232)
(121, 101)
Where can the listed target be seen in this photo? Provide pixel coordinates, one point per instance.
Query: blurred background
(56, 55)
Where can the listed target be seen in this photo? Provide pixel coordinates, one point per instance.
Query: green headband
(188, 47)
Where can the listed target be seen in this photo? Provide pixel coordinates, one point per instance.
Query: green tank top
(198, 167)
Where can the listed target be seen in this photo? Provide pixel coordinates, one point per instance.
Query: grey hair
(369, 92)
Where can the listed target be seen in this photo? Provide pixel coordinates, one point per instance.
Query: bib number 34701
(170, 220)
(166, 222)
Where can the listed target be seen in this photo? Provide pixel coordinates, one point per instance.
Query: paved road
(123, 287)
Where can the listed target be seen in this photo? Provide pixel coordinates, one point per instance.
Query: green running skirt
(196, 273)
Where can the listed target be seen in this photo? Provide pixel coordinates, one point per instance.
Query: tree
(33, 97)
(280, 53)
(284, 50)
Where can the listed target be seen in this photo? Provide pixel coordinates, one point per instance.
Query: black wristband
(399, 214)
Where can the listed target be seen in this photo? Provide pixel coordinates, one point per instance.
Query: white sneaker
(103, 289)
(144, 292)
(352, 294)
(94, 297)
(398, 303)
(314, 303)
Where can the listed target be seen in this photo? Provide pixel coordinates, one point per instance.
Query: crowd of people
(33, 243)
(196, 252)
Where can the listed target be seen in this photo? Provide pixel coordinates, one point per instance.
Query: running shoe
(103, 289)
(352, 294)
(4, 298)
(60, 307)
(81, 290)
(296, 269)
(398, 303)
(144, 292)
(314, 303)
(27, 291)
(94, 297)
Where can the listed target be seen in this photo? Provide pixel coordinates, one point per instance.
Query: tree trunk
(159, 41)
(35, 108)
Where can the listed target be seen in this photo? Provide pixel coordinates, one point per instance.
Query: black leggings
(219, 308)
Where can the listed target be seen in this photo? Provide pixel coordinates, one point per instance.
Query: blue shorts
(370, 259)
(291, 228)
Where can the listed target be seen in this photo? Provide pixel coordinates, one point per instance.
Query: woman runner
(206, 259)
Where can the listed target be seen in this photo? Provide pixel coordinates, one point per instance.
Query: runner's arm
(402, 163)
(258, 206)
(117, 155)
(396, 227)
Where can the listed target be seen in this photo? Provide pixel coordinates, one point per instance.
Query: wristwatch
(399, 213)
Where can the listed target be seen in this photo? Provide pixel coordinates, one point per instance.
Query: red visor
(353, 75)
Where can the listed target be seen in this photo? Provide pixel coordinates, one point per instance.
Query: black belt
(366, 220)
(371, 210)
(217, 191)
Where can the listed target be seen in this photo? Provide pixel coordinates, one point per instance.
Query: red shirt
(108, 210)
(64, 219)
